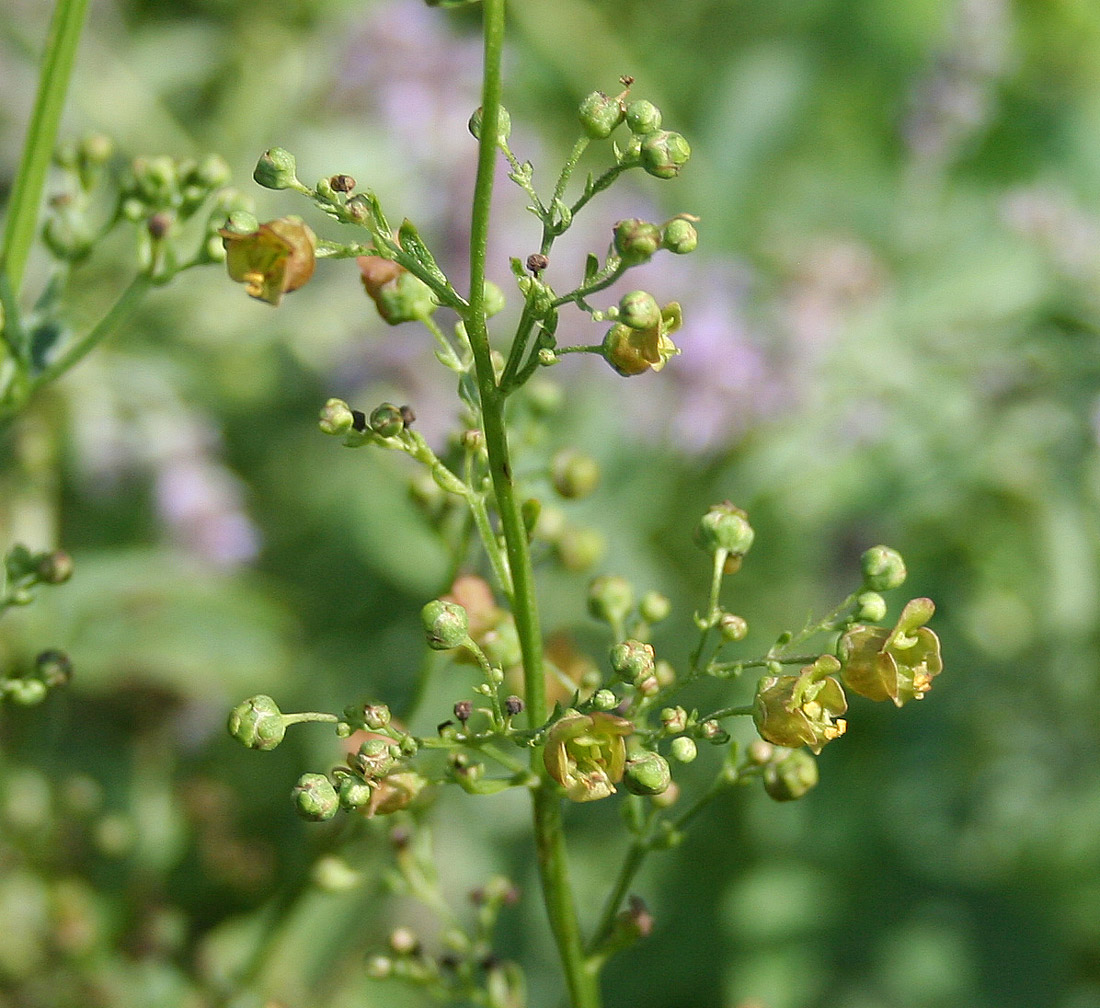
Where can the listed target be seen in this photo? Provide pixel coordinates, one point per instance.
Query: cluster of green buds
(51, 669)
(662, 153)
(160, 193)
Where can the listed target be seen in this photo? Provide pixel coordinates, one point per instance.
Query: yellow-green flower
(803, 709)
(633, 351)
(898, 664)
(586, 754)
(273, 260)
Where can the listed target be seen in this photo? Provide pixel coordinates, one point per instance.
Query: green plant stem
(549, 837)
(26, 196)
(80, 348)
(629, 868)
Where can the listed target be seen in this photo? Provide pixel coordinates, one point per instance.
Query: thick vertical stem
(57, 65)
(549, 838)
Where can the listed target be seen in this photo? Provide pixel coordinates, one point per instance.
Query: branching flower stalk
(613, 724)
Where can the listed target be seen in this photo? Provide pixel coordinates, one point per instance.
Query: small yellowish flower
(897, 664)
(634, 351)
(277, 258)
(586, 754)
(801, 710)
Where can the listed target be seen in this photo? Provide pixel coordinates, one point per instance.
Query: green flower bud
(883, 569)
(276, 169)
(647, 773)
(632, 661)
(354, 792)
(494, 299)
(683, 749)
(680, 236)
(610, 599)
(398, 295)
(580, 549)
(387, 420)
(25, 692)
(336, 417)
(574, 474)
(790, 777)
(376, 757)
(639, 310)
(599, 115)
(210, 172)
(654, 607)
(636, 240)
(257, 723)
(714, 733)
(760, 752)
(643, 117)
(732, 628)
(54, 668)
(674, 720)
(54, 568)
(798, 710)
(870, 607)
(725, 527)
(664, 154)
(156, 180)
(446, 625)
(315, 798)
(241, 222)
(898, 664)
(586, 754)
(376, 716)
(504, 125)
(604, 700)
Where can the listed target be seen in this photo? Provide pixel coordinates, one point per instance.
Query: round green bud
(632, 661)
(604, 700)
(600, 114)
(610, 598)
(276, 169)
(732, 628)
(545, 397)
(336, 417)
(883, 569)
(354, 792)
(760, 752)
(870, 607)
(211, 172)
(25, 692)
(242, 222)
(504, 125)
(680, 236)
(639, 310)
(54, 568)
(379, 967)
(664, 673)
(664, 153)
(654, 607)
(636, 240)
(580, 549)
(446, 624)
(494, 299)
(647, 773)
(573, 474)
(790, 777)
(674, 719)
(643, 117)
(257, 723)
(376, 716)
(683, 749)
(387, 420)
(725, 527)
(96, 149)
(714, 733)
(315, 798)
(54, 668)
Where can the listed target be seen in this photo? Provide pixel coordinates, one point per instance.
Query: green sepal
(410, 240)
(591, 269)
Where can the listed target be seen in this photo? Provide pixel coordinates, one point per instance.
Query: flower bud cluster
(51, 670)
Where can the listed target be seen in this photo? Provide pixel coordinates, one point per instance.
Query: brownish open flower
(273, 260)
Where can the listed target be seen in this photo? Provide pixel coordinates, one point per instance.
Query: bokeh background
(892, 335)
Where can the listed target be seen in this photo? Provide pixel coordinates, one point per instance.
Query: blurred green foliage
(897, 339)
